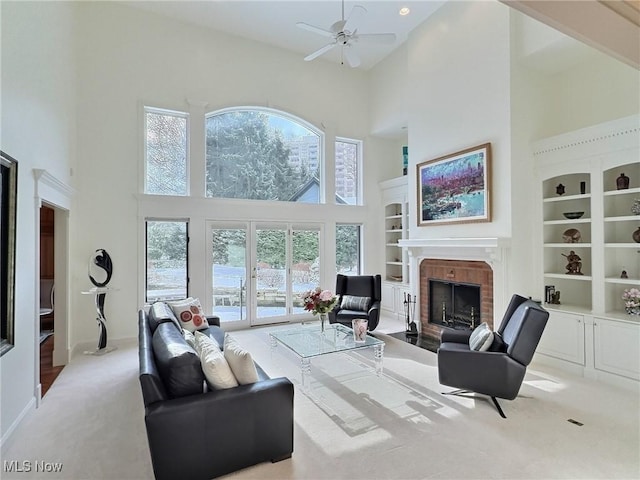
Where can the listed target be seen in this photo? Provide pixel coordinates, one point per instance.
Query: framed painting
(455, 188)
(8, 196)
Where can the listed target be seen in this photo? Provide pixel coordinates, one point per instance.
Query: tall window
(165, 152)
(348, 249)
(260, 155)
(348, 171)
(166, 254)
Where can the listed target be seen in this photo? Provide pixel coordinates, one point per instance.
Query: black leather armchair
(360, 286)
(498, 372)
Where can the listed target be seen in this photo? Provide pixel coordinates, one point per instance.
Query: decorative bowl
(573, 215)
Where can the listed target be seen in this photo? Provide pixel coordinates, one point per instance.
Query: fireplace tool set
(410, 314)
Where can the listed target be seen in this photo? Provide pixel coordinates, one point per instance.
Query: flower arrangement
(319, 301)
(631, 299)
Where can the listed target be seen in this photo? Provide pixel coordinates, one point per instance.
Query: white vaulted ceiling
(274, 22)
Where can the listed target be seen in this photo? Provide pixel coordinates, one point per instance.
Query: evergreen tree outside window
(165, 152)
(167, 274)
(348, 254)
(258, 154)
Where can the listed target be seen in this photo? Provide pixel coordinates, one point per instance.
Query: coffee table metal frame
(308, 341)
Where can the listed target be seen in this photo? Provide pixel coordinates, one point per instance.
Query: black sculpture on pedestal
(100, 267)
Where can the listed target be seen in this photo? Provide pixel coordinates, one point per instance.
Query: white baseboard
(5, 441)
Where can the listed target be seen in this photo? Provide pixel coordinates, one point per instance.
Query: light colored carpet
(354, 424)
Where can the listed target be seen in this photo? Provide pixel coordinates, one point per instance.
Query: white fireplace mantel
(491, 250)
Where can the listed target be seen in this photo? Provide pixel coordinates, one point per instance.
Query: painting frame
(8, 222)
(455, 188)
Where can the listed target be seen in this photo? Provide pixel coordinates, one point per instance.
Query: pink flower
(326, 296)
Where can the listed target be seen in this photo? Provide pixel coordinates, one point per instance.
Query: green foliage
(347, 247)
(229, 247)
(166, 240)
(248, 159)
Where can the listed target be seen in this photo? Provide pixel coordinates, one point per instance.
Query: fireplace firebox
(454, 304)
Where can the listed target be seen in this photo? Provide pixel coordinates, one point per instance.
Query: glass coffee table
(309, 341)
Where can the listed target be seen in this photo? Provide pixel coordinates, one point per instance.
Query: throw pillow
(190, 314)
(481, 338)
(190, 338)
(351, 302)
(240, 361)
(215, 367)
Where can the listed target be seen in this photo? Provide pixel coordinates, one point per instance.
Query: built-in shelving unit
(562, 195)
(621, 252)
(589, 331)
(396, 260)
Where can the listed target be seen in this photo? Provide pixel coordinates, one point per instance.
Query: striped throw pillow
(481, 338)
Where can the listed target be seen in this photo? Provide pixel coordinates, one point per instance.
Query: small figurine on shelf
(555, 298)
(622, 182)
(624, 274)
(574, 265)
(560, 189)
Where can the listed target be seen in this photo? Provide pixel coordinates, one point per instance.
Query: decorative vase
(636, 235)
(323, 320)
(633, 310)
(622, 182)
(560, 189)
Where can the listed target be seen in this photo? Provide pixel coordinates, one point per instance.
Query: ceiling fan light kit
(344, 34)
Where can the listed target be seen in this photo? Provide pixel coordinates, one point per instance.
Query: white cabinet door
(563, 337)
(617, 347)
(388, 297)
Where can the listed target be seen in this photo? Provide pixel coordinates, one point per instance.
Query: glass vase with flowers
(319, 302)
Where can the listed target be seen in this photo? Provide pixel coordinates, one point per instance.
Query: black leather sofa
(198, 434)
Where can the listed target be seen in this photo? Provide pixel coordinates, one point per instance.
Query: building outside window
(348, 176)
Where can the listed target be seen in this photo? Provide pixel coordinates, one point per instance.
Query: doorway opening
(48, 371)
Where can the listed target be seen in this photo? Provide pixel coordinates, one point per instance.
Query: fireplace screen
(454, 305)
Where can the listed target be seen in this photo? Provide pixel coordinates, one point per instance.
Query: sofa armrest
(249, 424)
(449, 335)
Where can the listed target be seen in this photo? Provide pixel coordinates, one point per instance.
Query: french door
(259, 270)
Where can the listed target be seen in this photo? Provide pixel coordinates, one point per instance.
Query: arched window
(261, 154)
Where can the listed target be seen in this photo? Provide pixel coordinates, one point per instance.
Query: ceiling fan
(344, 33)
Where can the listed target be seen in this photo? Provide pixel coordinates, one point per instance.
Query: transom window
(165, 152)
(257, 154)
(348, 176)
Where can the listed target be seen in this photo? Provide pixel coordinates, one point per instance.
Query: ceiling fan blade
(387, 38)
(355, 17)
(352, 58)
(319, 52)
(318, 30)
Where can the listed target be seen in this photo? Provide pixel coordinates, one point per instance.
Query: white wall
(596, 90)
(128, 58)
(458, 81)
(38, 130)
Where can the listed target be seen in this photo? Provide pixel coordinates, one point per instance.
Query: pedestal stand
(100, 293)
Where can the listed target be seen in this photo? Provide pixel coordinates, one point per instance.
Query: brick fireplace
(461, 272)
(470, 261)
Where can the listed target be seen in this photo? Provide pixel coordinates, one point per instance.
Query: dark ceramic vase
(636, 235)
(622, 182)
